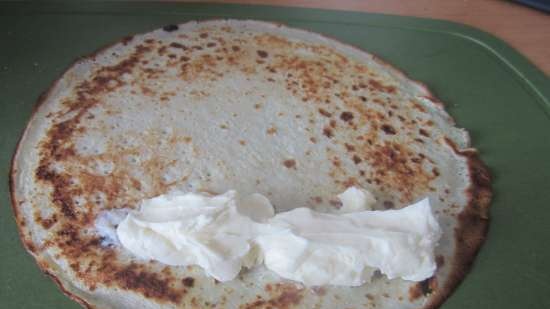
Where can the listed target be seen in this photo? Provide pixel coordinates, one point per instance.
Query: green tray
(489, 88)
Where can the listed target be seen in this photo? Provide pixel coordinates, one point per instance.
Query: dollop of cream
(224, 233)
(356, 199)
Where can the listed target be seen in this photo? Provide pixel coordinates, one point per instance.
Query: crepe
(246, 105)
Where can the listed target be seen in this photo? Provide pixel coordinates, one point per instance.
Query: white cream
(224, 233)
(356, 199)
(193, 229)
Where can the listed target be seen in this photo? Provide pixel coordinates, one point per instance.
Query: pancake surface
(244, 105)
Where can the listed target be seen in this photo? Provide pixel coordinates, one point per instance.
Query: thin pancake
(244, 105)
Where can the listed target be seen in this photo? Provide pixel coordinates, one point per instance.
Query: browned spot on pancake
(282, 296)
(328, 132)
(271, 130)
(59, 148)
(178, 45)
(356, 159)
(289, 296)
(260, 303)
(136, 184)
(242, 142)
(415, 292)
(424, 132)
(423, 288)
(388, 129)
(388, 205)
(290, 163)
(30, 246)
(262, 53)
(149, 284)
(369, 297)
(203, 35)
(324, 113)
(62, 193)
(416, 160)
(69, 240)
(380, 87)
(147, 91)
(166, 271)
(46, 223)
(111, 186)
(440, 261)
(349, 147)
(418, 106)
(188, 282)
(391, 161)
(162, 50)
(346, 116)
(350, 182)
(75, 266)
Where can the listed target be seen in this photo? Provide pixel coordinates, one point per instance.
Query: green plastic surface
(490, 89)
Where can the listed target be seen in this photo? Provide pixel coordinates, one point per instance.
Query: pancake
(245, 105)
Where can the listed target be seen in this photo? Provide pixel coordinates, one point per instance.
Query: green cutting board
(488, 87)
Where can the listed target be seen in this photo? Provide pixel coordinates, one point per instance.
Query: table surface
(525, 29)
